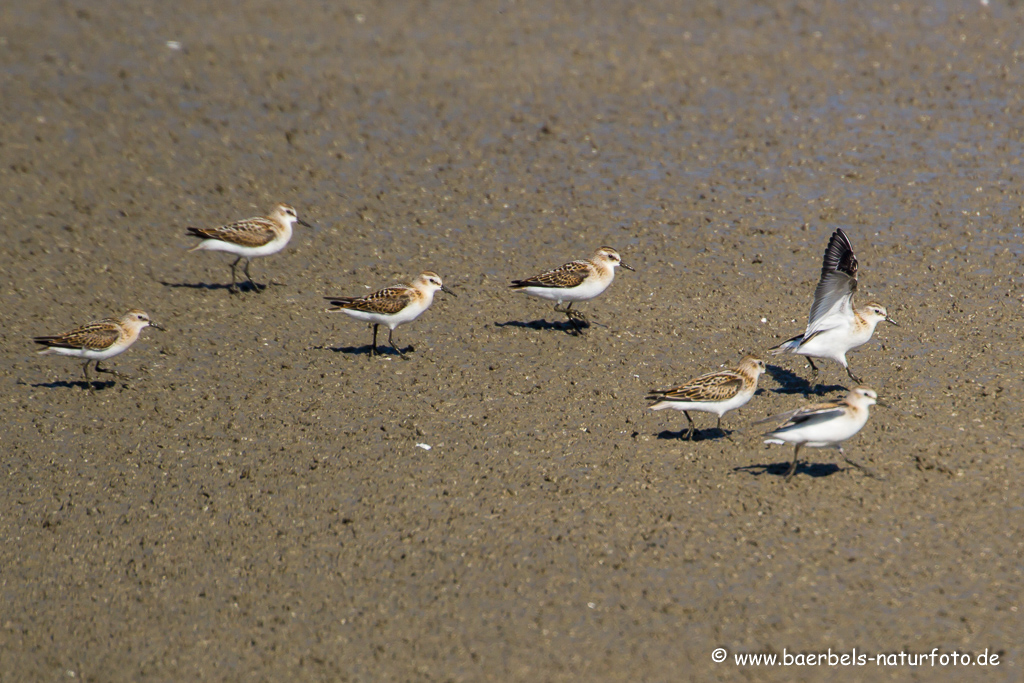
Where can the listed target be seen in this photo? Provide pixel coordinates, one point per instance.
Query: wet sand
(255, 503)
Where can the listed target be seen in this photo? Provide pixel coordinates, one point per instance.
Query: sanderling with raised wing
(834, 326)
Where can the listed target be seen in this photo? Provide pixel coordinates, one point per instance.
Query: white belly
(89, 354)
(272, 247)
(585, 291)
(834, 343)
(822, 435)
(392, 320)
(718, 408)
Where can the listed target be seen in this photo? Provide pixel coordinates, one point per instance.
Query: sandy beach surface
(264, 501)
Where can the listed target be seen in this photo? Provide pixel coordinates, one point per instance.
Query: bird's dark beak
(305, 224)
(156, 326)
(879, 402)
(627, 267)
(890, 320)
(448, 291)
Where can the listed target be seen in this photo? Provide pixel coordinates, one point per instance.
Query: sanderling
(392, 306)
(823, 425)
(249, 238)
(835, 326)
(575, 281)
(715, 392)
(98, 340)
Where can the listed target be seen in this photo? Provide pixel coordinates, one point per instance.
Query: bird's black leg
(575, 317)
(251, 281)
(578, 315)
(868, 472)
(392, 342)
(234, 279)
(115, 373)
(576, 327)
(689, 432)
(373, 349)
(88, 380)
(792, 465)
(727, 434)
(854, 377)
(814, 377)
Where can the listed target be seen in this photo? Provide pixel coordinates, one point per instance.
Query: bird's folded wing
(95, 336)
(386, 301)
(252, 232)
(564, 277)
(811, 416)
(718, 386)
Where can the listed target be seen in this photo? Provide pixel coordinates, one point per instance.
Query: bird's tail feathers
(196, 232)
(788, 346)
(339, 303)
